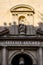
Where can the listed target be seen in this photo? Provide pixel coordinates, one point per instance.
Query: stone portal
(22, 59)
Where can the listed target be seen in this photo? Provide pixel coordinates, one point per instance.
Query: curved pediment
(22, 8)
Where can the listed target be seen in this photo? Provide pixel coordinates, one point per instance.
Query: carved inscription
(20, 43)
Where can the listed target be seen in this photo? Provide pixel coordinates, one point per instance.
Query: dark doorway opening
(22, 59)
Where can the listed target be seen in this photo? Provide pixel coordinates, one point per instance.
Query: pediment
(4, 31)
(21, 8)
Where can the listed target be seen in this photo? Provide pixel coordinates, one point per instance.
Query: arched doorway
(22, 59)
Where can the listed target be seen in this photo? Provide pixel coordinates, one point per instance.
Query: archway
(22, 59)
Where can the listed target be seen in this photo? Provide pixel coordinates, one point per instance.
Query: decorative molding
(4, 32)
(39, 31)
(22, 8)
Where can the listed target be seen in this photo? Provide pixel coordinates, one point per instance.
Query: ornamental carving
(22, 29)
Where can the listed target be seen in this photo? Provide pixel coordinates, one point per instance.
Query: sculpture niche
(22, 26)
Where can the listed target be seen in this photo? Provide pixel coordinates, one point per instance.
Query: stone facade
(24, 40)
(12, 46)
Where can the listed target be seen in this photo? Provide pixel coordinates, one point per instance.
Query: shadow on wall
(21, 29)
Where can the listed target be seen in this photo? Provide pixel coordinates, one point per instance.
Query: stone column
(4, 56)
(40, 56)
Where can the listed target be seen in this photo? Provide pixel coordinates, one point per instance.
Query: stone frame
(24, 52)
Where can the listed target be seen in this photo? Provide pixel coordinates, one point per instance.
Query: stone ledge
(27, 38)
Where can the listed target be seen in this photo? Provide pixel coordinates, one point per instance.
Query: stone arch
(18, 52)
(20, 8)
(23, 10)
